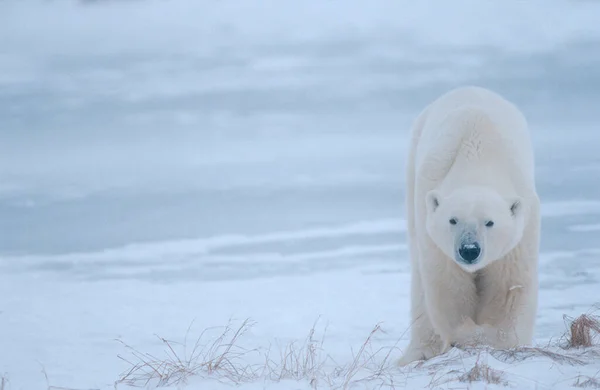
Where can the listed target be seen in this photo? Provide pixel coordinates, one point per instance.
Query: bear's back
(469, 118)
(499, 110)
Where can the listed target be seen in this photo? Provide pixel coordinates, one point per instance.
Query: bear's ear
(515, 206)
(432, 200)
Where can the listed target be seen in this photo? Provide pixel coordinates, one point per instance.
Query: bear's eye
(452, 221)
(489, 223)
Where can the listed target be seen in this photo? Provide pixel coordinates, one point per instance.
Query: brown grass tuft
(520, 354)
(308, 363)
(303, 363)
(481, 372)
(583, 331)
(220, 359)
(366, 361)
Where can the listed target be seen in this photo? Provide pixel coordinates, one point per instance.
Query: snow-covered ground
(175, 165)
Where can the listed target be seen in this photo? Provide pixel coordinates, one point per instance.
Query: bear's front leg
(424, 342)
(508, 305)
(450, 296)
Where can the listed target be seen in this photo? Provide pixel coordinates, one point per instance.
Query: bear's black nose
(469, 252)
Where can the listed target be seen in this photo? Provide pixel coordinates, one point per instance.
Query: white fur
(471, 159)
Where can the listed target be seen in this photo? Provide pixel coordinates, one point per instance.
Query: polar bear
(473, 225)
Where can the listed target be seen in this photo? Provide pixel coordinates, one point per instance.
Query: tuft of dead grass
(520, 354)
(481, 372)
(309, 363)
(220, 359)
(366, 366)
(298, 363)
(583, 331)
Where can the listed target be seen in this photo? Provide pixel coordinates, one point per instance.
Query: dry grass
(520, 354)
(367, 368)
(298, 363)
(478, 372)
(220, 359)
(583, 330)
(481, 372)
(309, 361)
(224, 359)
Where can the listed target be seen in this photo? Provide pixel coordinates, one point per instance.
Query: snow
(71, 328)
(168, 167)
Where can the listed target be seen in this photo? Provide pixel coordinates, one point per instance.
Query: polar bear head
(474, 225)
